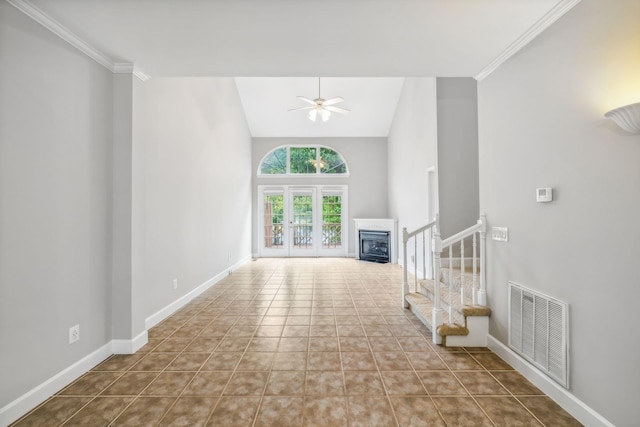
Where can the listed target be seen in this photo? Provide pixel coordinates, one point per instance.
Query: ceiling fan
(321, 107)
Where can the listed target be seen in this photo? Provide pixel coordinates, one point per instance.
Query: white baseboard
(129, 346)
(167, 311)
(42, 392)
(570, 403)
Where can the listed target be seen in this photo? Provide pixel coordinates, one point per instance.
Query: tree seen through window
(303, 160)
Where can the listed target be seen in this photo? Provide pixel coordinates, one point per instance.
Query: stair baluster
(450, 283)
(462, 272)
(474, 273)
(415, 264)
(437, 316)
(482, 293)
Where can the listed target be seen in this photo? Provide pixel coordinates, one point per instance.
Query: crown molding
(67, 35)
(139, 74)
(542, 24)
(129, 68)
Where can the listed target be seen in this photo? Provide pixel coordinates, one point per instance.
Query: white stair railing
(438, 245)
(426, 232)
(478, 293)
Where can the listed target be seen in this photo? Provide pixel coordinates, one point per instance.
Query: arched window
(303, 160)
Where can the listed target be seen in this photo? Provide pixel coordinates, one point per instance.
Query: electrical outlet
(74, 334)
(413, 259)
(175, 283)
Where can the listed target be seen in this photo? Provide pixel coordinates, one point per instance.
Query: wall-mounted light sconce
(627, 117)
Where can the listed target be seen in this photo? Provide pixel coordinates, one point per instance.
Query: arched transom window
(303, 160)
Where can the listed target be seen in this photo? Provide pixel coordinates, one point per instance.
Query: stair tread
(476, 310)
(447, 329)
(459, 280)
(422, 307)
(447, 298)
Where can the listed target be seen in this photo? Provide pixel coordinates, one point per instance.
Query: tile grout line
(214, 407)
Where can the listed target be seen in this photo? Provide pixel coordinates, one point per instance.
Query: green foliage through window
(273, 220)
(303, 160)
(275, 162)
(331, 221)
(331, 162)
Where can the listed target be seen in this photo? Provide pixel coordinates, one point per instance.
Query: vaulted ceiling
(303, 38)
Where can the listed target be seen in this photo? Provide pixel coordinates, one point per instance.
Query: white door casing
(290, 220)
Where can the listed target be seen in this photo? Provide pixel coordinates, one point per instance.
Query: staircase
(453, 307)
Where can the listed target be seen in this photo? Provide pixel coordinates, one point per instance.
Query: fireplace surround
(389, 225)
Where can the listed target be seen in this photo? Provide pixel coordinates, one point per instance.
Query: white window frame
(288, 173)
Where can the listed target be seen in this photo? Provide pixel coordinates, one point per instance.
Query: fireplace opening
(374, 246)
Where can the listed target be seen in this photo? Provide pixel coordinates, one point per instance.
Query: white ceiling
(303, 38)
(267, 101)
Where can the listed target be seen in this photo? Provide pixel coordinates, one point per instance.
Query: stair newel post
(437, 315)
(405, 283)
(482, 293)
(474, 289)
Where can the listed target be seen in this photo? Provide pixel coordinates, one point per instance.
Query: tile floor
(300, 342)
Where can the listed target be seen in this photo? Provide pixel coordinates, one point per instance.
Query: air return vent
(539, 331)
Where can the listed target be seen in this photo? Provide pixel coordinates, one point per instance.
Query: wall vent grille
(539, 331)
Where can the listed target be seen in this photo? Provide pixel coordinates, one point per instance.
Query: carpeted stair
(469, 325)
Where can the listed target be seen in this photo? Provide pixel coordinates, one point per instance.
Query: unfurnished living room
(338, 213)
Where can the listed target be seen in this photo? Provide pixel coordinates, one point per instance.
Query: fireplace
(374, 246)
(377, 225)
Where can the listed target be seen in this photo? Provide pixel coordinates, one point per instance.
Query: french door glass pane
(331, 222)
(273, 221)
(302, 222)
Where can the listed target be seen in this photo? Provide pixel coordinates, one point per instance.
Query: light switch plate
(500, 234)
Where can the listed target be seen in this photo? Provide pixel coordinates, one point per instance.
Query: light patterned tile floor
(300, 342)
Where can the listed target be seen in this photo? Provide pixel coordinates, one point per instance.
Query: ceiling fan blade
(333, 100)
(302, 108)
(310, 101)
(337, 110)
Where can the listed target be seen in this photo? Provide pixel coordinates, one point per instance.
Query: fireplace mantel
(378, 224)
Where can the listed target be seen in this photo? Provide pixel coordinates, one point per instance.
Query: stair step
(475, 310)
(447, 298)
(422, 307)
(457, 280)
(447, 329)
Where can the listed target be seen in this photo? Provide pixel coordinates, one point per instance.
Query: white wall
(109, 189)
(412, 149)
(192, 167)
(55, 195)
(457, 154)
(366, 159)
(541, 124)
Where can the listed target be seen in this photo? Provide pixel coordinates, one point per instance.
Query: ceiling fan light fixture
(320, 106)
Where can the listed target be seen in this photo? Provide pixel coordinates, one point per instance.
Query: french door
(302, 221)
